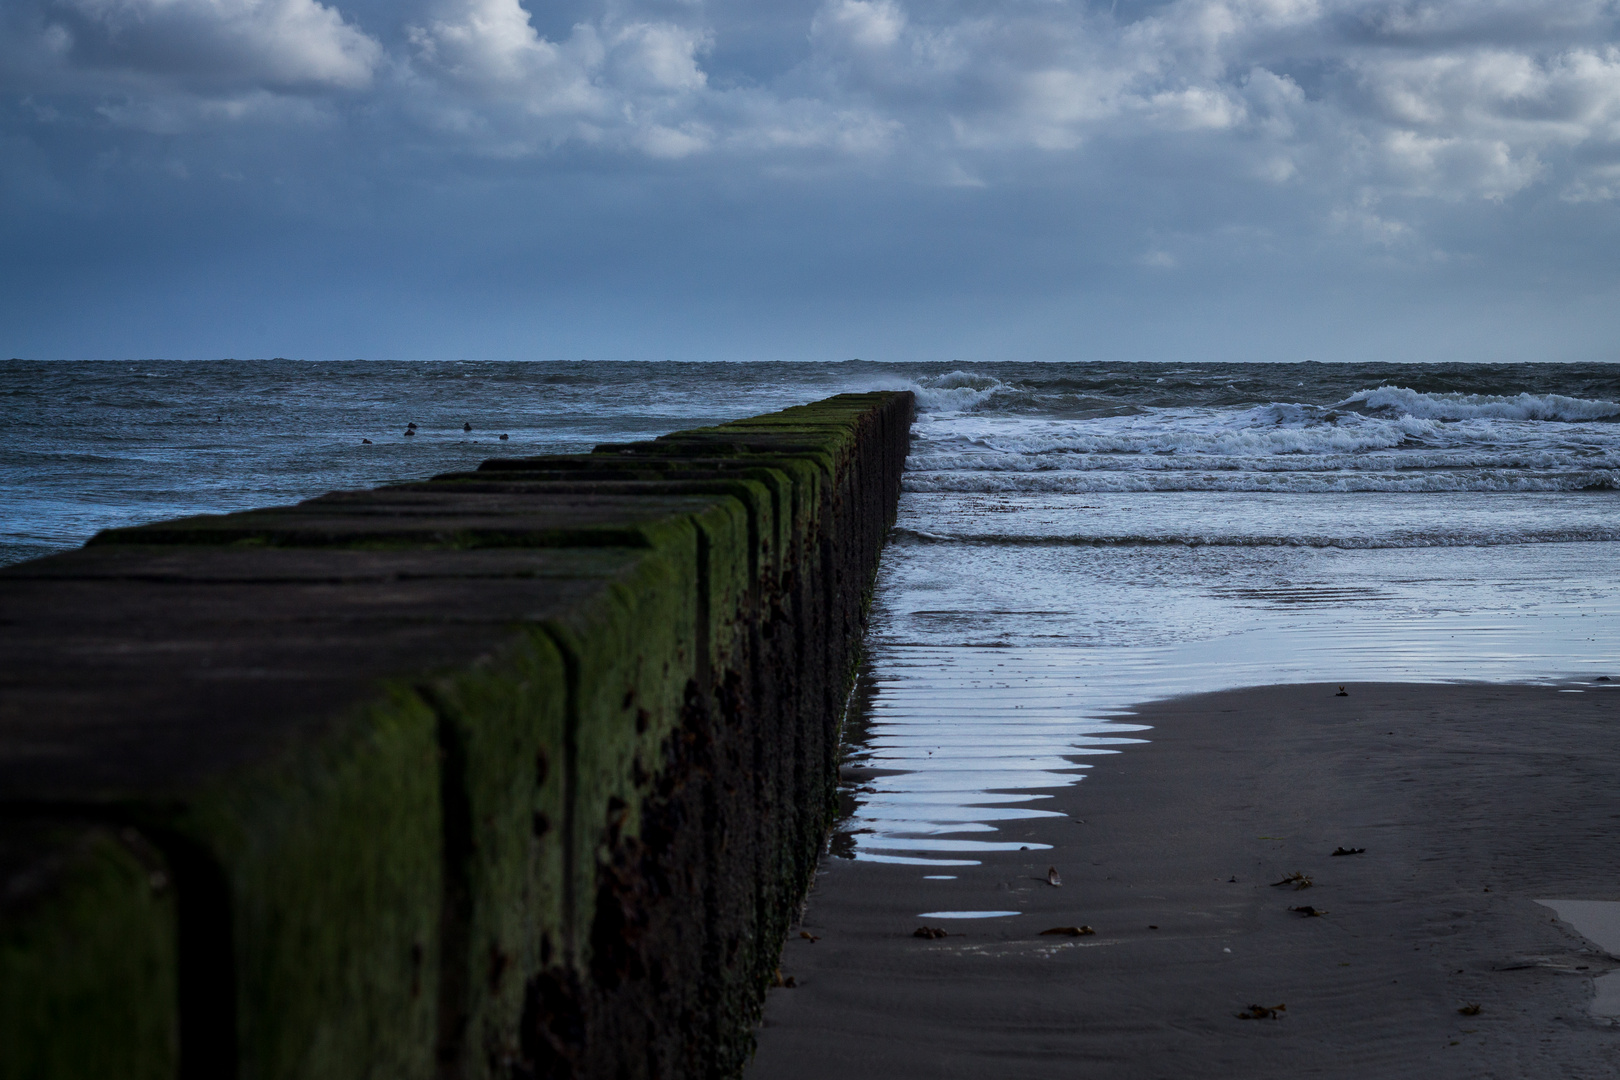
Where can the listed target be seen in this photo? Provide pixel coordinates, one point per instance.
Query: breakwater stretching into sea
(1072, 539)
(520, 771)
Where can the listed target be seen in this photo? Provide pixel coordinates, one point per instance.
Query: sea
(1073, 539)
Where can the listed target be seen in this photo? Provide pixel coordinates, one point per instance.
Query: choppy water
(1073, 539)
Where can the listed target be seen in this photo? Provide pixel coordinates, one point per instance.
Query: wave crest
(957, 391)
(1460, 406)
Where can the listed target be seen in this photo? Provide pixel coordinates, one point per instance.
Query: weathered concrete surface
(517, 772)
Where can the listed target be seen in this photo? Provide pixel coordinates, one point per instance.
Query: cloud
(488, 52)
(1468, 99)
(858, 26)
(1485, 121)
(1076, 135)
(205, 44)
(485, 71)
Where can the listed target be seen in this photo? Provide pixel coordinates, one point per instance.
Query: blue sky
(811, 179)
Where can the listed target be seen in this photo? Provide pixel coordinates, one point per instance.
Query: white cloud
(865, 25)
(489, 49)
(1486, 121)
(657, 58)
(632, 83)
(1481, 100)
(1453, 167)
(286, 44)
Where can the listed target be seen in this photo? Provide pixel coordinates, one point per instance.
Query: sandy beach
(1472, 802)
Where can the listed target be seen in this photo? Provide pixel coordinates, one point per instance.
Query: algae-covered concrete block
(491, 699)
(298, 772)
(754, 492)
(295, 795)
(634, 648)
(732, 564)
(503, 736)
(331, 855)
(517, 772)
(88, 954)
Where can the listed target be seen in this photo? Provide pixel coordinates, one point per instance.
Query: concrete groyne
(518, 772)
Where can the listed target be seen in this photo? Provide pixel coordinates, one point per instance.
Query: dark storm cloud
(657, 155)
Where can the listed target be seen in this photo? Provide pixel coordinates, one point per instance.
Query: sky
(1191, 180)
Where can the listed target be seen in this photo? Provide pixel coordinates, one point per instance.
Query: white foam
(1459, 406)
(956, 392)
(1395, 440)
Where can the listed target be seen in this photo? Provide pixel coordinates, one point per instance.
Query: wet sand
(1472, 802)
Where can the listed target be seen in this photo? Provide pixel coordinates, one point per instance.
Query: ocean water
(1073, 539)
(1075, 542)
(88, 446)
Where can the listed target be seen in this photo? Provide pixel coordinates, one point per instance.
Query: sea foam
(981, 434)
(1459, 406)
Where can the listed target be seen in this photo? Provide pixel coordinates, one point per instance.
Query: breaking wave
(977, 433)
(958, 391)
(1458, 406)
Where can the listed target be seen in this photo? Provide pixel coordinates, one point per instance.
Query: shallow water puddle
(955, 747)
(966, 722)
(1598, 921)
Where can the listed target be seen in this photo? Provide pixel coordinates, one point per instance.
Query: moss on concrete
(503, 733)
(519, 771)
(332, 859)
(88, 981)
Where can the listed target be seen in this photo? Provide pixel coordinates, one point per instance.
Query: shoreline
(1473, 802)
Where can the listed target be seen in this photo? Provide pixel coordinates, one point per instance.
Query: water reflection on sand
(997, 672)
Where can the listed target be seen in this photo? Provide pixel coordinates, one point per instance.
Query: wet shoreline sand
(1472, 802)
